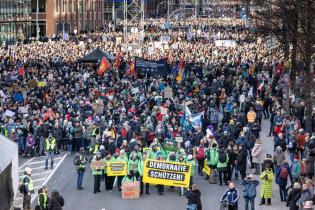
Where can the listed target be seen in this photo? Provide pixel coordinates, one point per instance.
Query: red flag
(181, 64)
(171, 57)
(105, 65)
(22, 71)
(132, 68)
(118, 59)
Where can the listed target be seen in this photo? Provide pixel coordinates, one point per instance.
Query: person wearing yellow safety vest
(251, 116)
(96, 172)
(27, 188)
(50, 146)
(109, 180)
(43, 198)
(121, 158)
(4, 130)
(140, 169)
(81, 168)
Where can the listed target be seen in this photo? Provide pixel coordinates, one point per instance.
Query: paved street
(65, 181)
(40, 176)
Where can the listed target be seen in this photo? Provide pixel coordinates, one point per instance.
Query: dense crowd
(114, 116)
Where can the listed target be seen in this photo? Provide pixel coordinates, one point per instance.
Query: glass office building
(15, 20)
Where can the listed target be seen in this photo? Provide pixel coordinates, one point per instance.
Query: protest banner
(168, 92)
(225, 43)
(206, 169)
(98, 164)
(166, 173)
(151, 67)
(130, 190)
(117, 169)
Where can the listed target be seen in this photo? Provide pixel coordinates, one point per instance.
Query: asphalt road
(64, 180)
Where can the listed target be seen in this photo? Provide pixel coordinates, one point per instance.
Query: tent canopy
(96, 56)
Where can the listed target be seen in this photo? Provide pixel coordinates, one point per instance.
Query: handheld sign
(166, 173)
(130, 190)
(117, 169)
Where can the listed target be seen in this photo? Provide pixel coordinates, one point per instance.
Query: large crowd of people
(51, 102)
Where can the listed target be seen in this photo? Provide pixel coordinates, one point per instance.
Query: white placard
(9, 113)
(225, 43)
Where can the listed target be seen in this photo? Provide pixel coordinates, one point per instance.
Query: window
(74, 6)
(57, 6)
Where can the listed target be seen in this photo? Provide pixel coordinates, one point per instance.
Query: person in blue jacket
(282, 176)
(249, 192)
(231, 195)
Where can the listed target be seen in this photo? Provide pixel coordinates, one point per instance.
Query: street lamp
(37, 25)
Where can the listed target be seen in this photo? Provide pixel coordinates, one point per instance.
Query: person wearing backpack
(212, 161)
(27, 188)
(282, 175)
(200, 156)
(222, 165)
(249, 192)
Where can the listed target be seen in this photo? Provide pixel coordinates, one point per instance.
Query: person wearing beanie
(293, 196)
(282, 176)
(212, 161)
(266, 185)
(190, 160)
(27, 188)
(278, 157)
(96, 172)
(296, 169)
(56, 201)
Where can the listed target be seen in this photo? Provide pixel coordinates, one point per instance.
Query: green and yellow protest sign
(117, 169)
(206, 169)
(166, 173)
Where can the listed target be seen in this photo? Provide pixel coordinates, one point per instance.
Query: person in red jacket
(300, 138)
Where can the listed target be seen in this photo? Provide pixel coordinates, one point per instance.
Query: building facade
(67, 16)
(15, 20)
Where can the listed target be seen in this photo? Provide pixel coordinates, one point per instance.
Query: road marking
(42, 161)
(38, 180)
(50, 175)
(26, 163)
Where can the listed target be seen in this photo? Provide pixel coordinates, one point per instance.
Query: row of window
(72, 5)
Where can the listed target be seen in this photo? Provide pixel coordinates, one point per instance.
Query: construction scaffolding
(133, 21)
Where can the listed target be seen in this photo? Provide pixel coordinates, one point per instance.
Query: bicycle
(224, 205)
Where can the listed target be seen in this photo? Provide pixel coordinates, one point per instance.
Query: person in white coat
(256, 154)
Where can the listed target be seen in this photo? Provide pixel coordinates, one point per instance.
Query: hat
(250, 176)
(189, 157)
(28, 170)
(102, 147)
(308, 205)
(296, 157)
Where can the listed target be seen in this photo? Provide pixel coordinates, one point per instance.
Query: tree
(292, 22)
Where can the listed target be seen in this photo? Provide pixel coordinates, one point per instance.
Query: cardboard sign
(179, 139)
(117, 169)
(33, 70)
(97, 164)
(163, 110)
(168, 92)
(166, 173)
(32, 83)
(130, 190)
(41, 84)
(206, 169)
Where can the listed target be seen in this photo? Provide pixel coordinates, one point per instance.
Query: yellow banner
(166, 173)
(206, 169)
(117, 169)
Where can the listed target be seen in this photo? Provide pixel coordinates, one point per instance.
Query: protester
(266, 185)
(293, 196)
(249, 192)
(231, 195)
(194, 198)
(282, 176)
(56, 201)
(27, 188)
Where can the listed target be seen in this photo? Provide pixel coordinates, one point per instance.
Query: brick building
(58, 16)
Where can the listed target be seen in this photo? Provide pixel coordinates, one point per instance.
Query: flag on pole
(132, 68)
(181, 76)
(118, 59)
(181, 64)
(22, 71)
(260, 87)
(105, 65)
